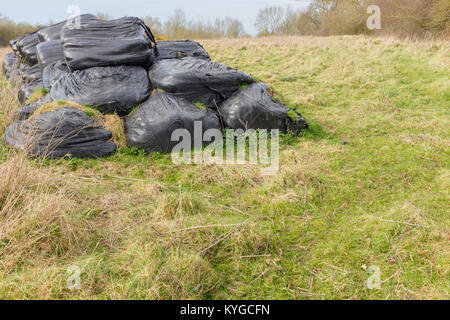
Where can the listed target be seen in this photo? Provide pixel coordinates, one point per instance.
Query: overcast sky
(35, 12)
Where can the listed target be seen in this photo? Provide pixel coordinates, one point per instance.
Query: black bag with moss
(48, 52)
(64, 132)
(125, 41)
(197, 80)
(27, 48)
(108, 89)
(254, 108)
(180, 49)
(27, 90)
(52, 72)
(151, 126)
(53, 32)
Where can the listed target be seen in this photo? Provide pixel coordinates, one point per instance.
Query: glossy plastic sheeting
(125, 41)
(64, 132)
(48, 52)
(180, 49)
(23, 113)
(254, 108)
(108, 89)
(9, 64)
(151, 126)
(53, 32)
(27, 90)
(197, 80)
(30, 74)
(26, 46)
(52, 72)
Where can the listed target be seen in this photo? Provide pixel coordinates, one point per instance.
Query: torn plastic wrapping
(52, 72)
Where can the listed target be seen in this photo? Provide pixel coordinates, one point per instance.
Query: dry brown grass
(114, 124)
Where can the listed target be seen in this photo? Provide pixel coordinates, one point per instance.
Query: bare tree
(269, 20)
(154, 24)
(176, 25)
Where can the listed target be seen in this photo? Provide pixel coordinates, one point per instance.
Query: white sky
(34, 11)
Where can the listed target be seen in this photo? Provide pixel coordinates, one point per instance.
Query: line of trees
(10, 30)
(322, 17)
(179, 27)
(337, 17)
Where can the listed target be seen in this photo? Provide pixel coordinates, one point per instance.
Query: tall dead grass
(35, 202)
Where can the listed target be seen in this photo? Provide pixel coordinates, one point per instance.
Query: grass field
(367, 185)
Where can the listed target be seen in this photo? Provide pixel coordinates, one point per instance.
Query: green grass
(366, 185)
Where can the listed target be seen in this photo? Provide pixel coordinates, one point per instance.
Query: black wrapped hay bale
(64, 132)
(254, 108)
(49, 52)
(9, 64)
(26, 46)
(125, 41)
(29, 74)
(108, 89)
(52, 72)
(25, 112)
(151, 126)
(180, 49)
(53, 32)
(197, 80)
(27, 90)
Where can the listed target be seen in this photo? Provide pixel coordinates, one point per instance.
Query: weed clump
(36, 95)
(55, 105)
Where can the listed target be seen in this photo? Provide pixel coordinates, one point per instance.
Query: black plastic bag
(125, 41)
(23, 113)
(27, 90)
(151, 126)
(27, 48)
(48, 52)
(254, 108)
(53, 32)
(52, 72)
(180, 49)
(30, 74)
(13, 44)
(57, 134)
(197, 80)
(9, 64)
(108, 89)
